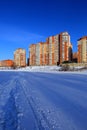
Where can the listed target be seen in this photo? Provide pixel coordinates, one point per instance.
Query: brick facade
(55, 50)
(20, 58)
(82, 50)
(65, 47)
(6, 63)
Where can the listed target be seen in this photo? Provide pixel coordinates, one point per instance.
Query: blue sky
(23, 22)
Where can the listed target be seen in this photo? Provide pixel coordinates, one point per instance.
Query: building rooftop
(84, 37)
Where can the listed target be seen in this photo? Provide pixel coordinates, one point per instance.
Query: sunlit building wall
(82, 50)
(20, 57)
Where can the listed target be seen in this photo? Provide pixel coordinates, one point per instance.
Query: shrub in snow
(65, 68)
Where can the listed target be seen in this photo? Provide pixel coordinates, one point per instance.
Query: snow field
(43, 101)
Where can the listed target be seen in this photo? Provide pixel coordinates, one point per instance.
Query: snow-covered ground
(50, 69)
(40, 68)
(43, 101)
(33, 69)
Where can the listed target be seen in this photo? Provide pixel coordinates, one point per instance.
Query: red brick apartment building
(6, 63)
(20, 57)
(82, 50)
(54, 51)
(32, 60)
(39, 54)
(65, 47)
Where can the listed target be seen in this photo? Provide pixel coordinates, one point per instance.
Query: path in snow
(43, 101)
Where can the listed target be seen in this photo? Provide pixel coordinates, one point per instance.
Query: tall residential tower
(65, 47)
(20, 57)
(54, 51)
(82, 50)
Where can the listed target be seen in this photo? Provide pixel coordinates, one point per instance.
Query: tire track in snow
(5, 92)
(29, 104)
(11, 112)
(41, 120)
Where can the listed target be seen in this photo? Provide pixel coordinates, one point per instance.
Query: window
(64, 38)
(63, 55)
